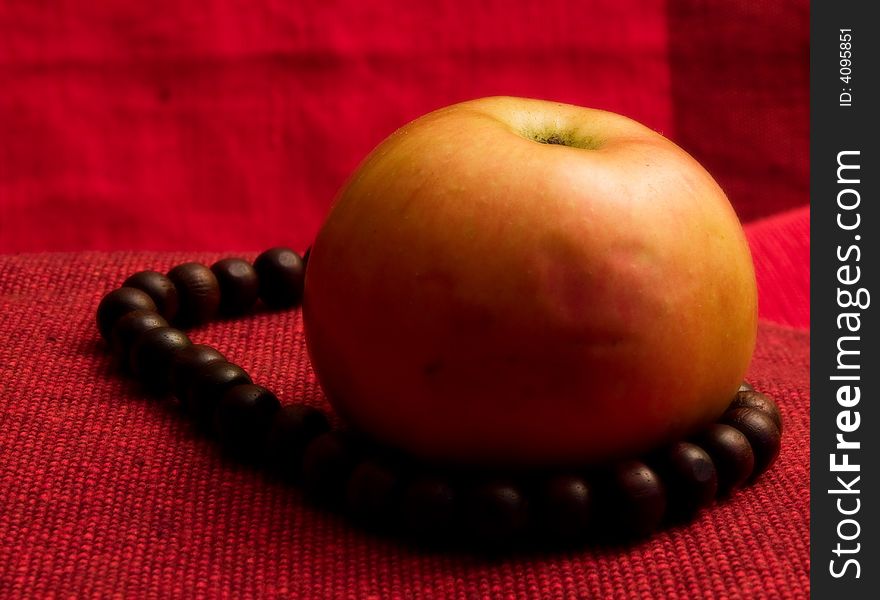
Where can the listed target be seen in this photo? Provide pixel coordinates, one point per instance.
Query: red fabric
(740, 87)
(169, 125)
(106, 492)
(781, 252)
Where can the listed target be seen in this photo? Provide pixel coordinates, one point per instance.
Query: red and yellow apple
(525, 282)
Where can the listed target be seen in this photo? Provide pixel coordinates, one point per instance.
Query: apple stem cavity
(563, 138)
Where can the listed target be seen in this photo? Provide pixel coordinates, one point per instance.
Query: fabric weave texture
(229, 125)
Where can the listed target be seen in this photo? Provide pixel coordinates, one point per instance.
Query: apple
(520, 282)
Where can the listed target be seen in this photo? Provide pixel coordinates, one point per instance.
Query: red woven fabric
(781, 252)
(169, 125)
(107, 492)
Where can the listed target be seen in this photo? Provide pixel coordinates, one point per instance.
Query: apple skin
(476, 296)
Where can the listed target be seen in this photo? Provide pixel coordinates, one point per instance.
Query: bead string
(387, 491)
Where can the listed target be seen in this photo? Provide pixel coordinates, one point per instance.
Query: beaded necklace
(384, 489)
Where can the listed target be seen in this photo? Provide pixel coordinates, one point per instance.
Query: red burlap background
(230, 125)
(227, 124)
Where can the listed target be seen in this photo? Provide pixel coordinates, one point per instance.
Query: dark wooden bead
(243, 417)
(208, 385)
(372, 492)
(638, 498)
(186, 363)
(239, 285)
(327, 464)
(152, 354)
(159, 288)
(282, 273)
(198, 291)
(119, 303)
(495, 512)
(292, 428)
(690, 478)
(758, 401)
(732, 454)
(745, 386)
(429, 507)
(564, 506)
(762, 433)
(129, 328)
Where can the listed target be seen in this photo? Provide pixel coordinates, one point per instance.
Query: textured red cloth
(781, 252)
(224, 124)
(104, 491)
